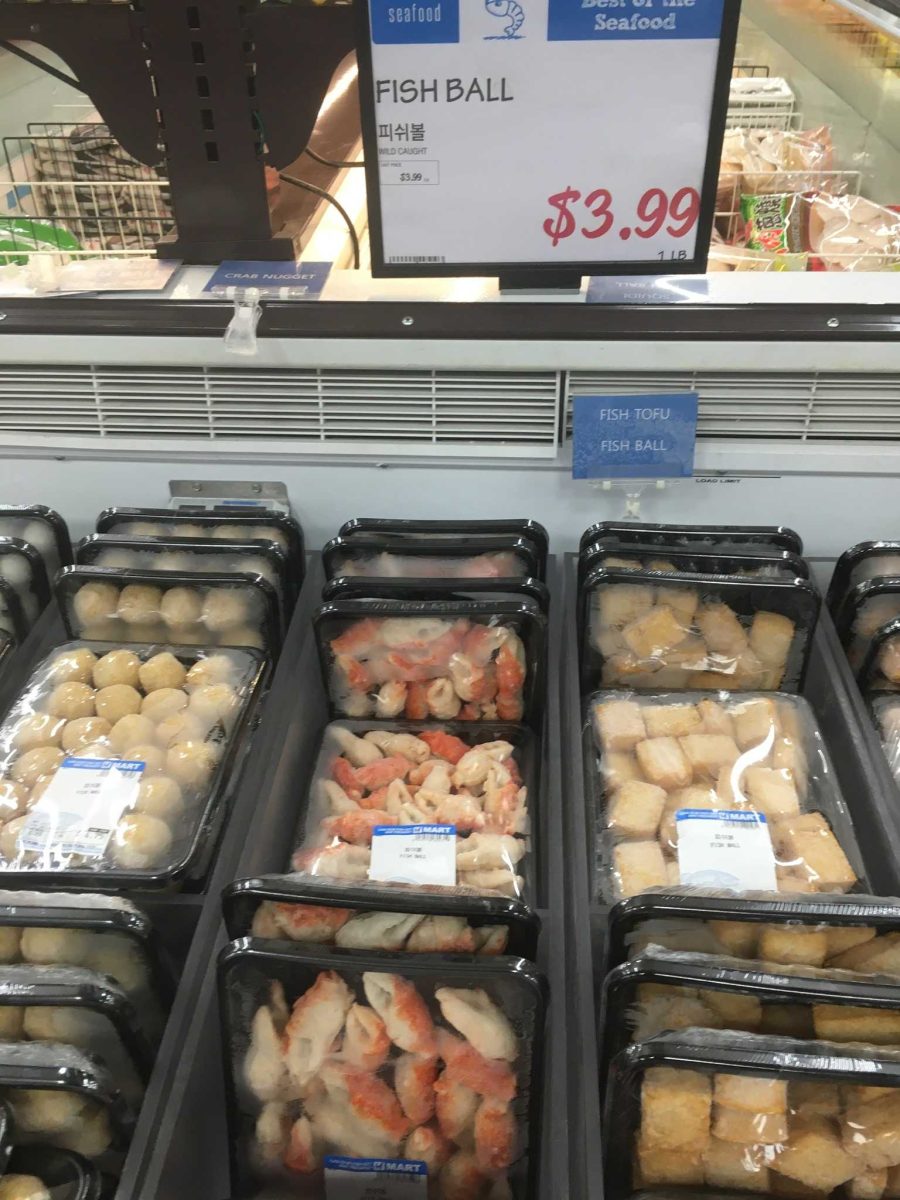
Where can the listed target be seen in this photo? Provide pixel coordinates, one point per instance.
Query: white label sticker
(414, 854)
(725, 850)
(82, 806)
(375, 1178)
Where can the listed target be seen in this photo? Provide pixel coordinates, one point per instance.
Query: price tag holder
(82, 806)
(662, 289)
(273, 280)
(414, 854)
(543, 138)
(375, 1178)
(634, 437)
(725, 850)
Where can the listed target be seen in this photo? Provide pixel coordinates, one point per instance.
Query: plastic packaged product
(41, 528)
(13, 624)
(444, 806)
(720, 791)
(667, 631)
(866, 609)
(475, 661)
(40, 1172)
(723, 539)
(760, 161)
(23, 568)
(436, 558)
(864, 561)
(103, 604)
(471, 531)
(357, 587)
(407, 1060)
(740, 1111)
(880, 669)
(849, 933)
(114, 763)
(757, 562)
(886, 714)
(739, 258)
(851, 233)
(403, 919)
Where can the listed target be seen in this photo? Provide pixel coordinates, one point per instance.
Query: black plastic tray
(339, 550)
(350, 587)
(405, 530)
(782, 563)
(779, 537)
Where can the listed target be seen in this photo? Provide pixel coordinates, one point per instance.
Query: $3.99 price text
(592, 214)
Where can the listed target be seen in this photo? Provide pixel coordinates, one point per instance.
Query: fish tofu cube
(663, 762)
(738, 938)
(789, 755)
(787, 1020)
(793, 945)
(807, 843)
(638, 866)
(879, 955)
(815, 1157)
(670, 720)
(849, 1023)
(675, 1109)
(617, 768)
(750, 1093)
(749, 1128)
(619, 604)
(619, 724)
(815, 1099)
(868, 1185)
(690, 654)
(771, 792)
(635, 809)
(682, 601)
(651, 635)
(721, 629)
(871, 1132)
(754, 722)
(715, 718)
(689, 797)
(771, 635)
(709, 752)
(796, 880)
(656, 1165)
(731, 1165)
(841, 938)
(608, 641)
(736, 1011)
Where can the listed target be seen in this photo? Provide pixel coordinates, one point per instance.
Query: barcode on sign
(416, 258)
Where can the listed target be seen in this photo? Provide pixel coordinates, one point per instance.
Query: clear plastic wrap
(721, 539)
(716, 791)
(472, 532)
(851, 233)
(886, 711)
(113, 762)
(669, 631)
(380, 557)
(866, 609)
(12, 616)
(476, 661)
(880, 669)
(396, 1059)
(758, 161)
(756, 562)
(746, 1112)
(23, 568)
(453, 591)
(103, 604)
(41, 528)
(864, 561)
(475, 783)
(41, 1172)
(404, 919)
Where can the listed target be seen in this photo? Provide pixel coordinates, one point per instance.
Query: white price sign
(543, 133)
(82, 806)
(727, 849)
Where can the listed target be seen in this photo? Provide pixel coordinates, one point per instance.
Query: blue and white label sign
(587, 20)
(634, 437)
(731, 850)
(375, 1178)
(278, 280)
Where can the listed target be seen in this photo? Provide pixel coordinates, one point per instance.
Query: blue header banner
(634, 437)
(415, 22)
(630, 20)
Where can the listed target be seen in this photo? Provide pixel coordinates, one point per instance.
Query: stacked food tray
(735, 836)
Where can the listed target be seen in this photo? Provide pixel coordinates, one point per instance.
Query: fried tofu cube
(771, 792)
(787, 1020)
(771, 635)
(735, 1011)
(675, 1109)
(842, 938)
(689, 797)
(879, 955)
(850, 1023)
(798, 945)
(635, 809)
(750, 1093)
(682, 601)
(608, 641)
(807, 844)
(618, 768)
(618, 604)
(868, 1185)
(814, 1099)
(715, 718)
(749, 672)
(619, 724)
(754, 722)
(638, 866)
(871, 1131)
(731, 1165)
(690, 654)
(780, 1185)
(651, 635)
(670, 720)
(795, 881)
(663, 762)
(675, 1167)
(815, 1157)
(749, 1128)
(680, 1012)
(708, 753)
(721, 629)
(738, 938)
(661, 564)
(625, 668)
(789, 755)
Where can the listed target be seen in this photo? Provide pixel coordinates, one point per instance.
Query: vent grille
(784, 407)
(403, 409)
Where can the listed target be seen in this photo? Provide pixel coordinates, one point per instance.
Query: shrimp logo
(512, 12)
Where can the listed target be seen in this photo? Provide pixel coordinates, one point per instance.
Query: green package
(777, 223)
(22, 236)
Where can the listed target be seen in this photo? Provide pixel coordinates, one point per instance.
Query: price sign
(507, 136)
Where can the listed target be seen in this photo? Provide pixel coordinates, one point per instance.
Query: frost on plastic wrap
(867, 609)
(382, 1059)
(754, 562)
(385, 558)
(649, 759)
(769, 1115)
(231, 526)
(667, 631)
(860, 564)
(176, 711)
(886, 710)
(461, 777)
(718, 538)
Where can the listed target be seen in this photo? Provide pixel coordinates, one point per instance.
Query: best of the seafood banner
(542, 132)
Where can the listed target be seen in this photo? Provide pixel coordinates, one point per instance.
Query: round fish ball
(41, 536)
(162, 671)
(119, 666)
(182, 727)
(91, 1136)
(121, 560)
(15, 569)
(160, 797)
(102, 631)
(10, 938)
(71, 700)
(30, 766)
(49, 945)
(23, 1187)
(214, 702)
(181, 606)
(37, 729)
(97, 750)
(73, 666)
(268, 533)
(218, 668)
(11, 1024)
(13, 803)
(152, 757)
(85, 731)
(131, 731)
(140, 841)
(225, 608)
(191, 763)
(173, 560)
(58, 1023)
(42, 1110)
(228, 533)
(165, 702)
(117, 701)
(95, 602)
(139, 604)
(188, 529)
(246, 635)
(116, 954)
(257, 566)
(144, 529)
(38, 790)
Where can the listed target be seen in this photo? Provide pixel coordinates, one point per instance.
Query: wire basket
(770, 109)
(729, 221)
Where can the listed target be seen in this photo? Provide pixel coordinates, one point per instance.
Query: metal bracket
(203, 494)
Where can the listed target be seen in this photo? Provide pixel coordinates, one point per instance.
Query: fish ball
(11, 1024)
(160, 797)
(23, 1187)
(50, 945)
(30, 766)
(213, 702)
(228, 533)
(224, 608)
(162, 671)
(10, 937)
(163, 703)
(40, 535)
(191, 763)
(218, 668)
(131, 730)
(173, 560)
(267, 533)
(15, 569)
(140, 841)
(97, 750)
(73, 666)
(139, 604)
(188, 529)
(84, 731)
(182, 727)
(246, 635)
(38, 790)
(119, 666)
(181, 606)
(42, 1110)
(63, 1023)
(96, 601)
(117, 701)
(116, 954)
(71, 700)
(37, 729)
(151, 756)
(120, 560)
(13, 803)
(142, 529)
